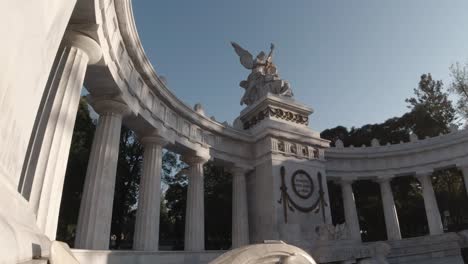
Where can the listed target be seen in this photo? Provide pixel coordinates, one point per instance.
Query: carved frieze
(296, 149)
(276, 113)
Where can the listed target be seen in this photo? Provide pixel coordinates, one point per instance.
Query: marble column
(391, 217)
(195, 211)
(46, 163)
(240, 219)
(430, 203)
(147, 218)
(464, 170)
(351, 216)
(94, 221)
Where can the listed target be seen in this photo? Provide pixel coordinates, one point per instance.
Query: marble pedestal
(286, 205)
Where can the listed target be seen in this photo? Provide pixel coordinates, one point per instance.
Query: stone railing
(129, 73)
(449, 150)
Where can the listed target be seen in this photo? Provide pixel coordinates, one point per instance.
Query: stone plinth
(270, 252)
(287, 191)
(274, 107)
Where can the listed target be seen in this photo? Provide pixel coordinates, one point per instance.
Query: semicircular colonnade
(101, 50)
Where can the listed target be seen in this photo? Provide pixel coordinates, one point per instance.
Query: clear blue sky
(354, 62)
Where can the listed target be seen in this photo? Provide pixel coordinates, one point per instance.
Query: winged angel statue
(264, 77)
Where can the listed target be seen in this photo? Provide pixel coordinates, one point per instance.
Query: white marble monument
(280, 166)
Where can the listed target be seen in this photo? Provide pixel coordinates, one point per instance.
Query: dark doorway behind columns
(370, 210)
(409, 204)
(336, 203)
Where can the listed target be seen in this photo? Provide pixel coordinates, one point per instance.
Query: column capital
(105, 106)
(422, 176)
(85, 43)
(194, 159)
(239, 170)
(154, 139)
(383, 179)
(462, 166)
(346, 180)
(422, 173)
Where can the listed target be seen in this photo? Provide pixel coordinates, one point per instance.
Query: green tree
(218, 207)
(459, 87)
(333, 134)
(175, 199)
(410, 206)
(432, 111)
(128, 175)
(218, 198)
(370, 210)
(336, 202)
(451, 198)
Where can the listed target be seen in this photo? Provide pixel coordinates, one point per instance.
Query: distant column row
(46, 162)
(389, 209)
(93, 230)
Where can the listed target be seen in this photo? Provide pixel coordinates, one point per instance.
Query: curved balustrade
(444, 151)
(418, 158)
(126, 71)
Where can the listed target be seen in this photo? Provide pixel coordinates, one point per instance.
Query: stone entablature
(298, 150)
(429, 154)
(273, 107)
(276, 113)
(130, 74)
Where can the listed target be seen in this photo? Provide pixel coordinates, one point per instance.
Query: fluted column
(240, 219)
(46, 163)
(464, 170)
(351, 216)
(391, 217)
(94, 221)
(195, 211)
(430, 203)
(147, 218)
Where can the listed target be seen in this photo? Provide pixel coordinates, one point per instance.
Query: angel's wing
(246, 59)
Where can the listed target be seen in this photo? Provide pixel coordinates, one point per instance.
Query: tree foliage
(128, 176)
(430, 113)
(175, 199)
(459, 86)
(218, 199)
(451, 198)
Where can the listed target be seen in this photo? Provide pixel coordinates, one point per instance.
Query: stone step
(36, 261)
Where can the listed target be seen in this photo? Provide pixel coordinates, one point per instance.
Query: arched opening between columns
(370, 211)
(217, 203)
(218, 207)
(452, 199)
(126, 183)
(218, 195)
(368, 202)
(409, 204)
(336, 203)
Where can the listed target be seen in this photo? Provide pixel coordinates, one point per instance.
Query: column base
(20, 240)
